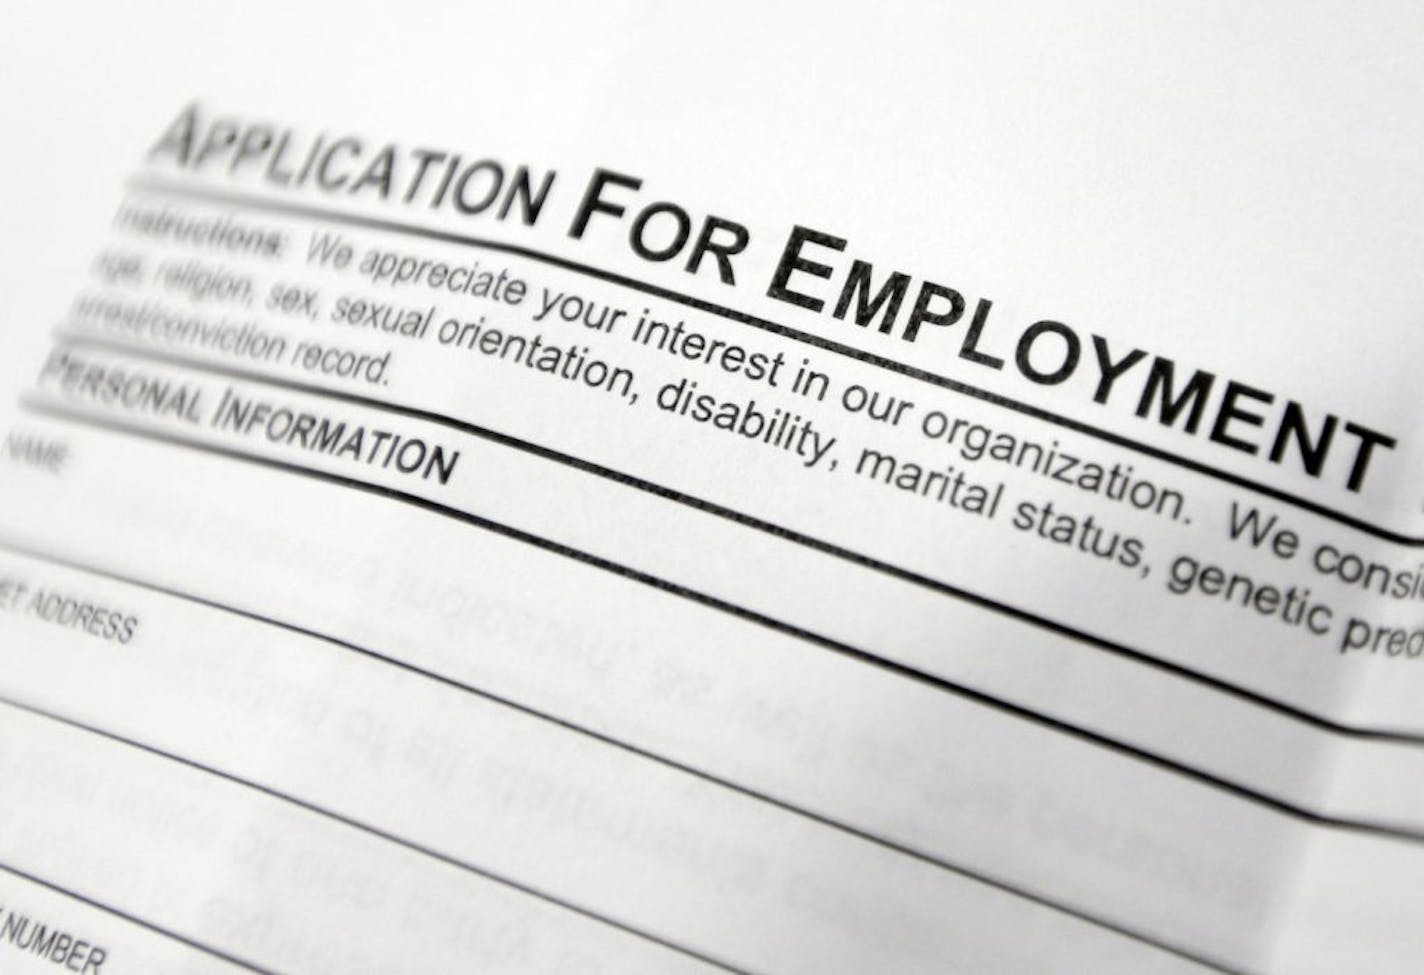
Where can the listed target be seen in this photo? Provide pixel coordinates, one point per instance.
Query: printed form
(622, 488)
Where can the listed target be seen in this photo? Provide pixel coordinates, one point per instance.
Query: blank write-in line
(134, 919)
(1241, 692)
(371, 830)
(623, 745)
(949, 687)
(308, 212)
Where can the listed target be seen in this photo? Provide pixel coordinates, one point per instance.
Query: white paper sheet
(766, 488)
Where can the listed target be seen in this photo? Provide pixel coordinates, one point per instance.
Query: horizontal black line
(134, 919)
(305, 211)
(604, 738)
(1201, 678)
(370, 830)
(1002, 705)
